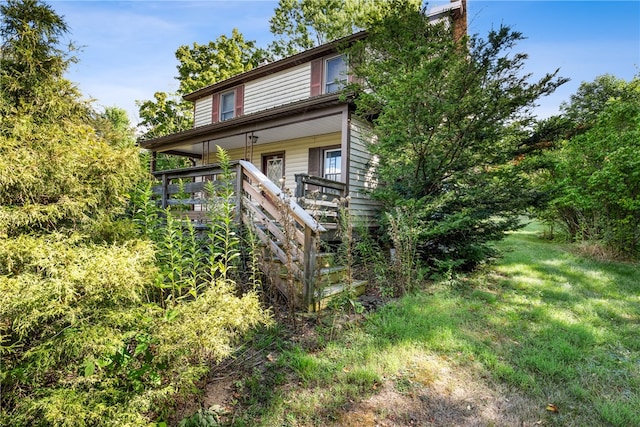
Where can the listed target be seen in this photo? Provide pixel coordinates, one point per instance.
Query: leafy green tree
(594, 175)
(164, 115)
(443, 112)
(591, 98)
(114, 126)
(302, 24)
(204, 65)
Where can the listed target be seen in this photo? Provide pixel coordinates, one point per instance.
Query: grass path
(540, 326)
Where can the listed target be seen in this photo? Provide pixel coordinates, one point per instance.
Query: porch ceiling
(266, 133)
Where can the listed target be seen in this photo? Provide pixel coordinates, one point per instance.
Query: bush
(82, 343)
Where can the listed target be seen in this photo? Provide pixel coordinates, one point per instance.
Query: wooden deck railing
(321, 197)
(185, 188)
(289, 232)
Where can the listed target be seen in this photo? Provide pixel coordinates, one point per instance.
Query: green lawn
(540, 326)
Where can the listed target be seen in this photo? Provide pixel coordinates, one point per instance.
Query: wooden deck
(290, 227)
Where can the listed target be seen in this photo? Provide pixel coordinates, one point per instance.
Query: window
(336, 74)
(227, 105)
(273, 167)
(332, 164)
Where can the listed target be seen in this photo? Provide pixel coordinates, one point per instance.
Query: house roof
(273, 67)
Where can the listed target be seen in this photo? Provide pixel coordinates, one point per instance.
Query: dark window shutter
(215, 110)
(315, 161)
(239, 101)
(316, 77)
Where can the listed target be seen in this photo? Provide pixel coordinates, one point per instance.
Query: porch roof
(313, 116)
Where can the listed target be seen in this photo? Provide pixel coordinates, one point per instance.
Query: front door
(273, 167)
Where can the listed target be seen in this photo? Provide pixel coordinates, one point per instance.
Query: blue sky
(128, 46)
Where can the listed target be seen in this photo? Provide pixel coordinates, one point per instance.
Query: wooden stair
(330, 282)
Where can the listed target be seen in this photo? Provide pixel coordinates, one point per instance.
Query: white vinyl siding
(203, 110)
(362, 170)
(296, 154)
(278, 89)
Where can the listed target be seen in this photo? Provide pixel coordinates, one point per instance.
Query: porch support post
(309, 266)
(300, 185)
(239, 179)
(165, 191)
(152, 163)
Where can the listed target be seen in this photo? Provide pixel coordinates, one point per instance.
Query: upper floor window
(227, 105)
(335, 74)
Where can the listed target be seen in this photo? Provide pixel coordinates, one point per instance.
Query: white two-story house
(287, 118)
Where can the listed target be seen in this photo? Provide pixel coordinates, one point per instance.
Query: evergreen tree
(443, 111)
(55, 171)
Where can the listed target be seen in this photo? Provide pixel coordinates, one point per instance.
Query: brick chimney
(460, 20)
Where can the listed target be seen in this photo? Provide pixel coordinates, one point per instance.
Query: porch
(295, 230)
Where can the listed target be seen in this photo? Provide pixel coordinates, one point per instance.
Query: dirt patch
(216, 397)
(434, 393)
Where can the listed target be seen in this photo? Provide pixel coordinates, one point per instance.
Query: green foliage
(539, 326)
(56, 173)
(85, 337)
(113, 125)
(189, 259)
(165, 114)
(60, 175)
(402, 229)
(83, 343)
(179, 253)
(204, 65)
(590, 100)
(202, 418)
(302, 24)
(442, 111)
(223, 233)
(594, 176)
(112, 333)
(30, 32)
(63, 302)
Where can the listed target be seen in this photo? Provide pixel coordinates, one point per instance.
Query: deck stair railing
(289, 232)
